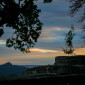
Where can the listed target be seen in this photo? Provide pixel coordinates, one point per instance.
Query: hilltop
(8, 69)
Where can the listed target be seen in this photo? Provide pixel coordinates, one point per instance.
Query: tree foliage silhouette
(47, 1)
(24, 19)
(68, 40)
(1, 32)
(76, 5)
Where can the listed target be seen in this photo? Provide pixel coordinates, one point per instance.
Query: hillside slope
(8, 68)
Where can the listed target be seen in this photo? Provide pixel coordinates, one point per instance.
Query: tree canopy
(24, 19)
(77, 5)
(68, 40)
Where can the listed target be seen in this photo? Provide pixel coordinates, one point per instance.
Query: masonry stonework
(70, 60)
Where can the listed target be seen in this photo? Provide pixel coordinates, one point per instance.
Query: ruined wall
(70, 60)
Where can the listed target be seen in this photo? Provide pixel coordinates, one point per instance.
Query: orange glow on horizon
(80, 51)
(36, 56)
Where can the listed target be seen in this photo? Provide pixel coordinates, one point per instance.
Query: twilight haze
(56, 22)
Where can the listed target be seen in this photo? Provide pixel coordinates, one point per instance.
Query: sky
(56, 22)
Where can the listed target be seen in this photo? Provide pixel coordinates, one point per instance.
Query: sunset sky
(56, 22)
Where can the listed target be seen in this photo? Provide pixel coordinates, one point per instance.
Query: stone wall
(63, 65)
(70, 60)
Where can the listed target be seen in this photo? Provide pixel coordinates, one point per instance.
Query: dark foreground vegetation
(59, 80)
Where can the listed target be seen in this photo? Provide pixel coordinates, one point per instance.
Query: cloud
(42, 50)
(2, 42)
(55, 28)
(51, 33)
(48, 38)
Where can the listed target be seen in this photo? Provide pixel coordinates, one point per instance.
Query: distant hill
(8, 69)
(30, 66)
